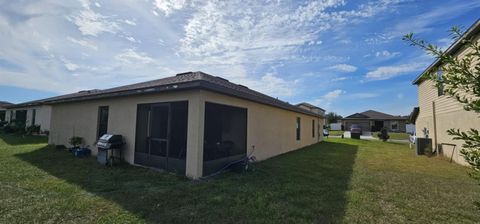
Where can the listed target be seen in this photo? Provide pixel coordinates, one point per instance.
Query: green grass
(340, 180)
(336, 133)
(394, 135)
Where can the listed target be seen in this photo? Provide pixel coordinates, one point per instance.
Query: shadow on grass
(307, 185)
(15, 139)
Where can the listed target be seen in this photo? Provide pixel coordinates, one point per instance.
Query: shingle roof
(182, 81)
(4, 103)
(375, 115)
(309, 105)
(454, 48)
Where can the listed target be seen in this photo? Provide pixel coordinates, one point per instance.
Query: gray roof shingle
(371, 114)
(182, 81)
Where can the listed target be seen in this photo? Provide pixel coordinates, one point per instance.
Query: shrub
(75, 141)
(33, 129)
(383, 135)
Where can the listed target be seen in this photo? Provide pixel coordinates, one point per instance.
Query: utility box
(102, 156)
(355, 135)
(421, 144)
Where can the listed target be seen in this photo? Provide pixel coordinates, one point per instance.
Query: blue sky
(344, 56)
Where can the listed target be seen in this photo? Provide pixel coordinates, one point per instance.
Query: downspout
(434, 125)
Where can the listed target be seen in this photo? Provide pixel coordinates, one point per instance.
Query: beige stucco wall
(448, 114)
(42, 115)
(81, 119)
(271, 130)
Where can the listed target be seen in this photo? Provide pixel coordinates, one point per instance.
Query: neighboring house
(30, 113)
(3, 110)
(437, 112)
(193, 123)
(371, 120)
(321, 116)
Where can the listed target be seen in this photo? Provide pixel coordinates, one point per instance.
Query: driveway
(365, 135)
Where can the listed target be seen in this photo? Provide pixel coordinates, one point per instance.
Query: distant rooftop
(375, 115)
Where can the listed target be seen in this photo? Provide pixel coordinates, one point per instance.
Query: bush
(383, 135)
(75, 141)
(33, 129)
(14, 127)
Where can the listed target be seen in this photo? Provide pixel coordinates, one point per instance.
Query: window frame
(396, 123)
(313, 128)
(100, 108)
(440, 91)
(298, 128)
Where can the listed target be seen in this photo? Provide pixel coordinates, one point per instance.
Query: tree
(333, 117)
(460, 80)
(383, 134)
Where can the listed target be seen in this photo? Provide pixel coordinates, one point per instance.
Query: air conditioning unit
(421, 144)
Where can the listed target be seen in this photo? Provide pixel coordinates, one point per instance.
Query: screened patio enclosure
(161, 135)
(225, 136)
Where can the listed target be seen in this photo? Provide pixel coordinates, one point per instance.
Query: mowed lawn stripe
(339, 180)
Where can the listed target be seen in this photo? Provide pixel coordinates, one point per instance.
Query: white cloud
(387, 72)
(386, 54)
(270, 84)
(332, 95)
(343, 68)
(71, 66)
(130, 22)
(131, 56)
(337, 79)
(236, 33)
(91, 23)
(169, 6)
(326, 100)
(83, 43)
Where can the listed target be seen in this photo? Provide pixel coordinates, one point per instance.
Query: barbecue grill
(107, 145)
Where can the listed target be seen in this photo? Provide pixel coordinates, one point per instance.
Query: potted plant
(75, 141)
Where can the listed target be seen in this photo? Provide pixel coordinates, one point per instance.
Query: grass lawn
(340, 180)
(336, 133)
(394, 135)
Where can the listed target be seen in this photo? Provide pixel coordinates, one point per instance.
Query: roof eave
(474, 29)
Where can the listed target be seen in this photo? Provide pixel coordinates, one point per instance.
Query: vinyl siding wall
(448, 113)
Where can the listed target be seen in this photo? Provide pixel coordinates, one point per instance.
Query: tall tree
(333, 117)
(460, 80)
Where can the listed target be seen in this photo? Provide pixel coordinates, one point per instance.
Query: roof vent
(218, 77)
(242, 86)
(89, 91)
(184, 73)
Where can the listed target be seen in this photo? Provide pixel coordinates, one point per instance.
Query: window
(298, 128)
(21, 117)
(394, 125)
(102, 121)
(440, 85)
(34, 114)
(313, 128)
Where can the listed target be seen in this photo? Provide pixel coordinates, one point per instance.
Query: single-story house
(30, 113)
(438, 112)
(3, 110)
(371, 120)
(192, 123)
(317, 110)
